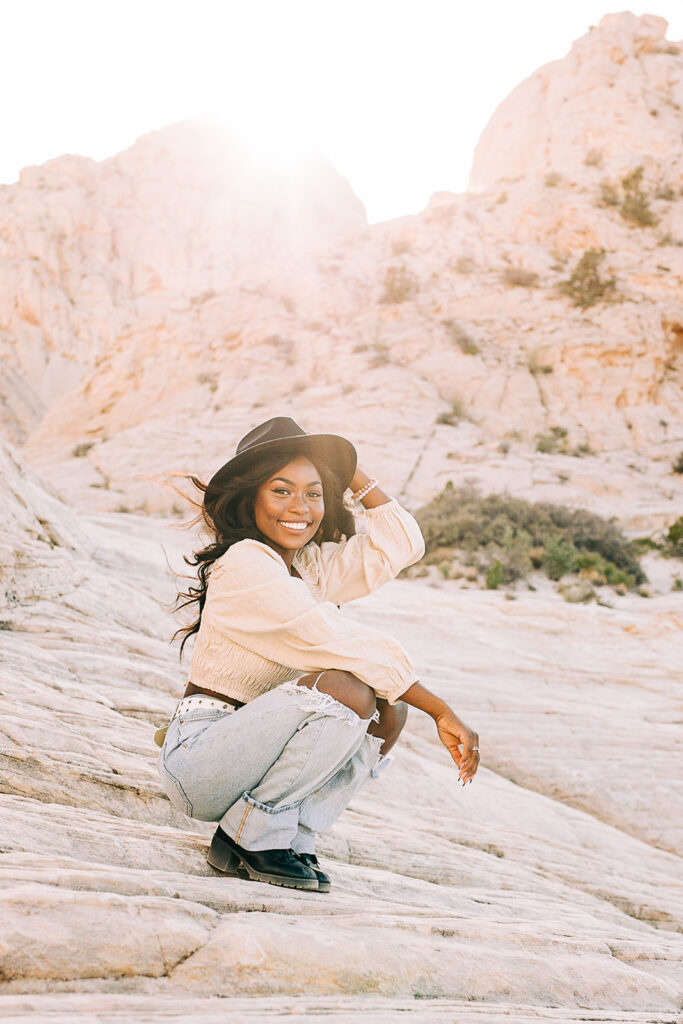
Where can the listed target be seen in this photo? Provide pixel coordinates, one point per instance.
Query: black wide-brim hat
(334, 451)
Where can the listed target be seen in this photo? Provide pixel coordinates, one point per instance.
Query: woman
(291, 706)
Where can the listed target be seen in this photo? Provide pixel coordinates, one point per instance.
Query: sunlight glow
(394, 92)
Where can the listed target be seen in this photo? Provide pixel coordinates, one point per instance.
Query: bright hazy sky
(394, 92)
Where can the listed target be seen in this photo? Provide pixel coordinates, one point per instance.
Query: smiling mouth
(294, 527)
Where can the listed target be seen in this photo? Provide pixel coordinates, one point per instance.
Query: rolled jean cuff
(256, 826)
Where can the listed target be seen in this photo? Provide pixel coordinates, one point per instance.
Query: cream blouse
(262, 626)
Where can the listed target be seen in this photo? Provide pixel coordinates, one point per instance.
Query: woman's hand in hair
(453, 732)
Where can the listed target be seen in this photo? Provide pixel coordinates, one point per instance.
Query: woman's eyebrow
(291, 482)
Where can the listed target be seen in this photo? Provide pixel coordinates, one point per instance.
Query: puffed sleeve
(359, 565)
(254, 601)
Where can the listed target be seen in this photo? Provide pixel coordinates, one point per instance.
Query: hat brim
(338, 454)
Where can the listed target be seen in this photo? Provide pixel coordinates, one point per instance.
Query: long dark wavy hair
(227, 514)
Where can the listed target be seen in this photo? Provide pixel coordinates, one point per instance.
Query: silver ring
(475, 748)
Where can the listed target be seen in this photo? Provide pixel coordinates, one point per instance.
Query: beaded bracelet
(369, 486)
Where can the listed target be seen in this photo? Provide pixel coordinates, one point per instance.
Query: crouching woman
(291, 706)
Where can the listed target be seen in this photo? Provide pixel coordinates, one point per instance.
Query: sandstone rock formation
(163, 301)
(155, 307)
(93, 252)
(546, 883)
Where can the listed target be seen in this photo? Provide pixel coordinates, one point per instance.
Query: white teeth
(295, 526)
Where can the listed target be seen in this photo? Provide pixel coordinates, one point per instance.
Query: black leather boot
(279, 867)
(310, 859)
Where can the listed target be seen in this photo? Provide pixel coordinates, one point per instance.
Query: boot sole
(228, 861)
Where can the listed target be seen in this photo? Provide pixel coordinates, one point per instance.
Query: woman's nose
(298, 504)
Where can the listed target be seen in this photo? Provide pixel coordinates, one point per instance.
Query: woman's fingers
(454, 735)
(470, 756)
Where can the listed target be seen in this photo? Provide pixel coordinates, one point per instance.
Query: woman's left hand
(453, 733)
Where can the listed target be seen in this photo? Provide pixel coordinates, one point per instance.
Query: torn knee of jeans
(383, 762)
(325, 703)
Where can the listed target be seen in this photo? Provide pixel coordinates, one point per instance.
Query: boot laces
(284, 857)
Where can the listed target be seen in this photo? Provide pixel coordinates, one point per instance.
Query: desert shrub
(580, 450)
(584, 285)
(82, 449)
(665, 191)
(552, 179)
(608, 195)
(593, 158)
(546, 444)
(592, 561)
(635, 207)
(555, 441)
(521, 534)
(454, 414)
(502, 198)
(674, 539)
(209, 379)
(399, 285)
(677, 466)
(457, 333)
(537, 367)
(495, 576)
(559, 558)
(381, 355)
(518, 277)
(464, 265)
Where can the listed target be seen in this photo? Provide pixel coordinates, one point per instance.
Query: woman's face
(289, 507)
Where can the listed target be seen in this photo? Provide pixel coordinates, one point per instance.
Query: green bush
(608, 195)
(677, 466)
(635, 206)
(674, 539)
(519, 533)
(559, 558)
(518, 277)
(612, 573)
(535, 366)
(495, 576)
(457, 333)
(584, 286)
(454, 415)
(399, 285)
(555, 441)
(593, 158)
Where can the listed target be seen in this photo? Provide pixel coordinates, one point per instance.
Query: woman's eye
(311, 494)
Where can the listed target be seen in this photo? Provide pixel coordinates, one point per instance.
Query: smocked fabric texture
(262, 627)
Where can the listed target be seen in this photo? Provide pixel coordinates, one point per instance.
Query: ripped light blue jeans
(273, 773)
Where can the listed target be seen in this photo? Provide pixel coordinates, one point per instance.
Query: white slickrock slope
(156, 306)
(539, 887)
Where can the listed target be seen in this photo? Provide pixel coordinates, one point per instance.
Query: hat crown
(276, 429)
(282, 432)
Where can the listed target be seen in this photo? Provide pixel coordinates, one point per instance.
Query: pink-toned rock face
(159, 304)
(618, 93)
(92, 250)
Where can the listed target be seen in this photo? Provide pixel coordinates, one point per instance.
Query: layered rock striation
(550, 882)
